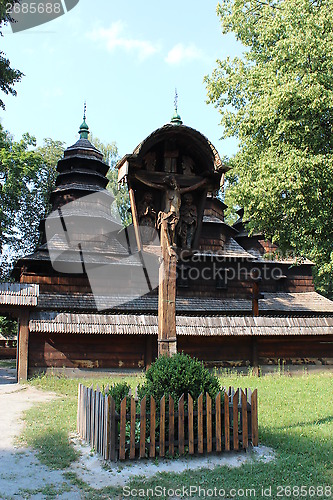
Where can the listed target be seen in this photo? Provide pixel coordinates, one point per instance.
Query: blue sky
(125, 59)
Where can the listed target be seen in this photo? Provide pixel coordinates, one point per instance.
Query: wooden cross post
(167, 341)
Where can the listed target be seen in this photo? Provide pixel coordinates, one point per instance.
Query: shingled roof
(17, 294)
(307, 303)
(186, 325)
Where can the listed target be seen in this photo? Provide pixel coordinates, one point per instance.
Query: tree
(27, 176)
(110, 152)
(8, 75)
(277, 100)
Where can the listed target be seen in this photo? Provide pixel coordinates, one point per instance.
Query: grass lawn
(7, 363)
(295, 419)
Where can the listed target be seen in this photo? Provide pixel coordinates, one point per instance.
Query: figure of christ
(169, 217)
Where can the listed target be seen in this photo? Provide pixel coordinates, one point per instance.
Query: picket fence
(203, 426)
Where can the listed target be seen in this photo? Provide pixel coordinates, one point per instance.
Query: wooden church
(221, 295)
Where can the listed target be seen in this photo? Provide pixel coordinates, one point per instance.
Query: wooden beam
(135, 218)
(23, 347)
(148, 351)
(255, 298)
(255, 358)
(167, 342)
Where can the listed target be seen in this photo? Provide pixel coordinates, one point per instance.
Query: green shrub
(177, 375)
(118, 391)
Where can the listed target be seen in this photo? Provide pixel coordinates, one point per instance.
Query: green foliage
(8, 327)
(110, 152)
(277, 100)
(177, 375)
(118, 391)
(8, 75)
(27, 175)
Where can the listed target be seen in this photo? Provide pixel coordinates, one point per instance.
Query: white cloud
(114, 38)
(180, 53)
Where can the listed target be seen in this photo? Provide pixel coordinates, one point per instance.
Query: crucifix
(167, 222)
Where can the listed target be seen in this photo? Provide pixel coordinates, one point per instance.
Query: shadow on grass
(319, 421)
(305, 452)
(54, 449)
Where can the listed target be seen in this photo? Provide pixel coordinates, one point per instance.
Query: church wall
(86, 351)
(137, 351)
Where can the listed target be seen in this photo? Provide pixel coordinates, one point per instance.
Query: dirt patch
(21, 474)
(93, 470)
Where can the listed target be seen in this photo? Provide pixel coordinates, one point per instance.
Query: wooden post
(135, 217)
(23, 347)
(255, 298)
(167, 341)
(148, 351)
(255, 359)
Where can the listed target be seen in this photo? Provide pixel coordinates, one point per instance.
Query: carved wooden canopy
(169, 175)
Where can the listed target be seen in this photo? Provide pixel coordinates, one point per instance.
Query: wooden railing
(141, 430)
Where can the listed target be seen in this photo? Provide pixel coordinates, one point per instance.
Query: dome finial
(84, 129)
(176, 118)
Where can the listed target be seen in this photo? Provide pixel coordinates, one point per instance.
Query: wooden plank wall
(86, 351)
(138, 351)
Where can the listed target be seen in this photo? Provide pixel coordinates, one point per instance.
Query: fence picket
(152, 427)
(85, 415)
(113, 429)
(235, 400)
(106, 427)
(78, 409)
(190, 425)
(162, 427)
(181, 426)
(143, 428)
(171, 426)
(209, 423)
(100, 421)
(218, 422)
(254, 417)
(245, 438)
(122, 433)
(96, 420)
(133, 425)
(200, 424)
(226, 422)
(90, 419)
